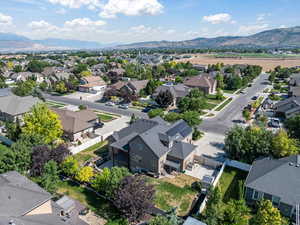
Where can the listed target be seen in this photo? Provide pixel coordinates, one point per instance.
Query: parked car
(110, 104)
(254, 98)
(275, 123)
(98, 125)
(124, 106)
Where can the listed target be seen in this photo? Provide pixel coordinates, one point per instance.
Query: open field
(267, 63)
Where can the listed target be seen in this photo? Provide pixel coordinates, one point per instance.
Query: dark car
(254, 98)
(98, 125)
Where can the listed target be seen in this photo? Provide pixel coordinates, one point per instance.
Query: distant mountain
(14, 42)
(276, 38)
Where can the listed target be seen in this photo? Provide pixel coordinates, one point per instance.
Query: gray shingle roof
(277, 177)
(181, 150)
(15, 105)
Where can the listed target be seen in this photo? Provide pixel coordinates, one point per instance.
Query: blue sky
(124, 21)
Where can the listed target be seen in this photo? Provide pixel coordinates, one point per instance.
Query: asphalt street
(232, 113)
(218, 124)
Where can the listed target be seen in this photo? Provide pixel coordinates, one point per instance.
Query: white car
(110, 104)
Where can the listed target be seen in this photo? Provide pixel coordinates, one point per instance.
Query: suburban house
(288, 107)
(13, 106)
(77, 124)
(134, 87)
(92, 84)
(24, 202)
(153, 145)
(23, 76)
(277, 180)
(178, 91)
(204, 82)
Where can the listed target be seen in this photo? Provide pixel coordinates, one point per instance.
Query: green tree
(197, 134)
(247, 144)
(220, 81)
(50, 177)
(192, 118)
(172, 117)
(247, 115)
(61, 88)
(267, 214)
(132, 119)
(236, 213)
(283, 145)
(36, 66)
(80, 68)
(18, 69)
(292, 125)
(24, 88)
(165, 99)
(85, 174)
(70, 166)
(272, 77)
(219, 94)
(86, 73)
(43, 122)
(13, 129)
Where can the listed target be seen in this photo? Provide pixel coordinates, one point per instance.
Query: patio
(199, 171)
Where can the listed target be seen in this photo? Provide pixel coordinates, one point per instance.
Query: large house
(92, 84)
(134, 87)
(178, 91)
(204, 82)
(25, 203)
(153, 145)
(77, 124)
(288, 107)
(13, 106)
(277, 180)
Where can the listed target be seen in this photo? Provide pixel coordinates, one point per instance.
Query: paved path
(228, 117)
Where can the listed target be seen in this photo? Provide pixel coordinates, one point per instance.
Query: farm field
(267, 63)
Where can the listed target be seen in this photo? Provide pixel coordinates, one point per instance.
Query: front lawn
(229, 91)
(55, 104)
(98, 205)
(103, 117)
(92, 152)
(175, 192)
(213, 99)
(210, 106)
(230, 183)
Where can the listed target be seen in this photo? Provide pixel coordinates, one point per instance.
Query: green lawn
(224, 104)
(92, 152)
(105, 117)
(229, 183)
(98, 205)
(210, 106)
(212, 99)
(55, 104)
(174, 192)
(229, 91)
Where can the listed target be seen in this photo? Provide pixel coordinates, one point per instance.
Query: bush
(172, 117)
(197, 134)
(155, 112)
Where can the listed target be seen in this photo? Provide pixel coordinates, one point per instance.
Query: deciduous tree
(283, 145)
(50, 178)
(85, 174)
(165, 99)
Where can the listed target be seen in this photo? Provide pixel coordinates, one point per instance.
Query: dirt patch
(265, 63)
(181, 180)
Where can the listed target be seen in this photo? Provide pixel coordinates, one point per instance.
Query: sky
(127, 21)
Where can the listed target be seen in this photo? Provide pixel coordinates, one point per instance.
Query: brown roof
(119, 85)
(73, 122)
(199, 81)
(138, 84)
(93, 79)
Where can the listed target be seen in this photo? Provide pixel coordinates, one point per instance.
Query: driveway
(112, 126)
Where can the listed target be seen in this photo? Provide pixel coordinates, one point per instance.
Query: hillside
(276, 38)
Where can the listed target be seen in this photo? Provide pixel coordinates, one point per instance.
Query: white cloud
(77, 3)
(61, 11)
(84, 22)
(262, 17)
(130, 8)
(42, 26)
(5, 19)
(251, 29)
(219, 18)
(282, 26)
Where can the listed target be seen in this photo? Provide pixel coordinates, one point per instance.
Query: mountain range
(276, 38)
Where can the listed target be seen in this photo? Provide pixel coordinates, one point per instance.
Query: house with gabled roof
(277, 180)
(203, 81)
(153, 145)
(25, 203)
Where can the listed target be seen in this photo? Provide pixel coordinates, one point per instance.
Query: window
(257, 195)
(275, 200)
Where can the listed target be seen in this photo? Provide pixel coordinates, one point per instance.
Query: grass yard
(98, 205)
(92, 152)
(174, 192)
(210, 106)
(229, 91)
(224, 104)
(212, 99)
(55, 104)
(229, 183)
(105, 117)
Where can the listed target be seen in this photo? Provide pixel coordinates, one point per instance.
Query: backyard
(98, 205)
(175, 192)
(94, 151)
(231, 183)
